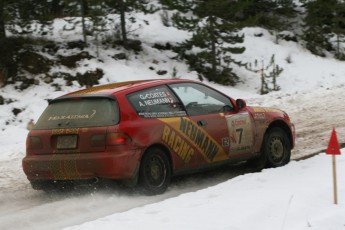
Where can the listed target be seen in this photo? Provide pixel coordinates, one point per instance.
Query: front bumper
(82, 166)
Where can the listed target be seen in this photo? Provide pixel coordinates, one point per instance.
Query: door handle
(201, 123)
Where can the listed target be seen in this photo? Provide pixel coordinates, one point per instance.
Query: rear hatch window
(79, 112)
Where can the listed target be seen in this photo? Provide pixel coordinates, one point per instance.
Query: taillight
(118, 139)
(33, 142)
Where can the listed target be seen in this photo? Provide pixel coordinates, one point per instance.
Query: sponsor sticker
(240, 132)
(184, 136)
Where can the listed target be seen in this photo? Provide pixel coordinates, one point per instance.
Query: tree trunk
(123, 22)
(3, 70)
(213, 47)
(2, 21)
(82, 4)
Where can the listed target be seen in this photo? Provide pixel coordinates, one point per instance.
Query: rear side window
(156, 102)
(79, 112)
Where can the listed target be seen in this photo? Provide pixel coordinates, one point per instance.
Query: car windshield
(79, 112)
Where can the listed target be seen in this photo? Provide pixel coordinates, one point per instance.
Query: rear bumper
(82, 166)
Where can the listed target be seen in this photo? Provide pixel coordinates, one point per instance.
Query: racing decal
(178, 143)
(240, 132)
(266, 110)
(225, 141)
(64, 169)
(260, 116)
(65, 131)
(162, 114)
(65, 151)
(155, 98)
(184, 135)
(156, 102)
(73, 116)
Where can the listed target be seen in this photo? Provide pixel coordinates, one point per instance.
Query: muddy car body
(148, 131)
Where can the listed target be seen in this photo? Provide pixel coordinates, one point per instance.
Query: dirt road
(314, 115)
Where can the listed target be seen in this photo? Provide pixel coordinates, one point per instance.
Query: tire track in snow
(314, 114)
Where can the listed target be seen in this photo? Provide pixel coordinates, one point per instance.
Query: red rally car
(147, 131)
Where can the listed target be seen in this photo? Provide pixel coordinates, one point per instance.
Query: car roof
(131, 86)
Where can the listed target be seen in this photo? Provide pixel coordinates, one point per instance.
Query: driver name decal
(155, 98)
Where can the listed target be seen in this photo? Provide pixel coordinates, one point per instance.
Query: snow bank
(297, 196)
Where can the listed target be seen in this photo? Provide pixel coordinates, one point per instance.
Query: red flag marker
(333, 146)
(334, 149)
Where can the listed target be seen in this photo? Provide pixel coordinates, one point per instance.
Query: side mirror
(241, 104)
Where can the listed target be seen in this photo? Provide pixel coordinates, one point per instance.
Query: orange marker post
(334, 149)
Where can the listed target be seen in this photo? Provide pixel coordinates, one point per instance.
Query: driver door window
(199, 99)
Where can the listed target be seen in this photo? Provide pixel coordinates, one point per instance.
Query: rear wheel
(50, 186)
(40, 185)
(276, 148)
(155, 173)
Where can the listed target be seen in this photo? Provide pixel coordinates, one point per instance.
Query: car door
(206, 125)
(241, 133)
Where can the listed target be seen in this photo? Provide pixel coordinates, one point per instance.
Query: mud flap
(132, 182)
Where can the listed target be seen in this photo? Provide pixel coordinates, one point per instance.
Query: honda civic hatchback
(145, 132)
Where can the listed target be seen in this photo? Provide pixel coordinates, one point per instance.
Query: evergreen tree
(325, 27)
(7, 62)
(3, 75)
(21, 15)
(209, 51)
(123, 21)
(319, 23)
(339, 30)
(7, 14)
(89, 14)
(56, 8)
(97, 11)
(2, 21)
(124, 7)
(182, 6)
(83, 8)
(270, 14)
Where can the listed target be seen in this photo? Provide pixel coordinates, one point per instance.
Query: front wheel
(276, 148)
(155, 173)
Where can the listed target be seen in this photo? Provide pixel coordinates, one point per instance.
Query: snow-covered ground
(297, 196)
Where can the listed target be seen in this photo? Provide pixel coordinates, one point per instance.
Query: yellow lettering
(171, 139)
(166, 133)
(183, 153)
(184, 148)
(177, 144)
(204, 145)
(188, 129)
(189, 155)
(72, 131)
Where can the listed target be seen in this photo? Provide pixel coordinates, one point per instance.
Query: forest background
(210, 50)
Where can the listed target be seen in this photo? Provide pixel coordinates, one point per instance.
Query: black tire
(155, 172)
(52, 186)
(276, 148)
(39, 185)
